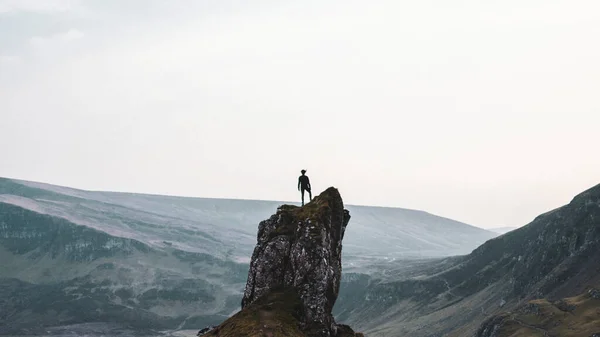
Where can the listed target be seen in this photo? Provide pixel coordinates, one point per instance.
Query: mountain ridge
(408, 226)
(555, 256)
(277, 202)
(188, 250)
(58, 273)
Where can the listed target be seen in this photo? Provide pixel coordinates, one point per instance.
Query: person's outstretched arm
(308, 183)
(299, 183)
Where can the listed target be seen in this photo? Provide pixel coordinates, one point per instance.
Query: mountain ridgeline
(148, 263)
(123, 264)
(513, 284)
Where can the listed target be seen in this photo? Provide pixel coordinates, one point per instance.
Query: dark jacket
(304, 183)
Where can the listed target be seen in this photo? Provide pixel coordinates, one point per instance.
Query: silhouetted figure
(304, 185)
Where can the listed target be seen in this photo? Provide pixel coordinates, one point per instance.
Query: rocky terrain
(554, 257)
(73, 260)
(574, 317)
(56, 273)
(295, 273)
(153, 265)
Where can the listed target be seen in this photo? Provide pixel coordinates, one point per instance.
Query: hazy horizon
(485, 113)
(268, 200)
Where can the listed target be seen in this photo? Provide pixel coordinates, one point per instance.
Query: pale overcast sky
(483, 111)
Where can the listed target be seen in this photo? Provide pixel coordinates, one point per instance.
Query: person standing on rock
(304, 185)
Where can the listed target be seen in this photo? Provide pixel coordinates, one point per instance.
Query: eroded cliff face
(301, 248)
(554, 259)
(557, 255)
(295, 273)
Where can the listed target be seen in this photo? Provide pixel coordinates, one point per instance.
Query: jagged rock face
(556, 256)
(302, 248)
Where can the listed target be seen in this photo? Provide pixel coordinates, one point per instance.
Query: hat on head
(303, 171)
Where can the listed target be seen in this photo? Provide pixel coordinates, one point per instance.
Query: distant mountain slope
(404, 233)
(226, 227)
(555, 256)
(54, 272)
(159, 262)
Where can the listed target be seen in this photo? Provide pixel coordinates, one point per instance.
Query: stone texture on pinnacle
(301, 248)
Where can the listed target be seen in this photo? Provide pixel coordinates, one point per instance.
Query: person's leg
(310, 194)
(302, 197)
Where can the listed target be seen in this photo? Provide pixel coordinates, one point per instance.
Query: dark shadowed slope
(577, 316)
(555, 256)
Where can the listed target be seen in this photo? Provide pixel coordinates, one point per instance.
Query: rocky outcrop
(302, 248)
(295, 273)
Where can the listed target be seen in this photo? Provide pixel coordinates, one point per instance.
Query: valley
(155, 265)
(160, 263)
(556, 256)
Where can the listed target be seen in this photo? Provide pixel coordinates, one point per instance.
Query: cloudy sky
(483, 111)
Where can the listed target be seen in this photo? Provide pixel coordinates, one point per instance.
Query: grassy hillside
(555, 256)
(227, 228)
(54, 272)
(573, 317)
(165, 262)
